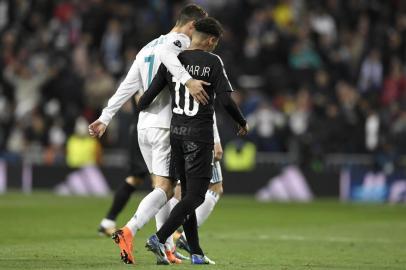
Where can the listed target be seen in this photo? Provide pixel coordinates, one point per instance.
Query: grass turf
(43, 231)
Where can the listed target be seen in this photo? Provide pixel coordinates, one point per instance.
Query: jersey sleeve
(157, 84)
(168, 54)
(221, 81)
(128, 87)
(232, 108)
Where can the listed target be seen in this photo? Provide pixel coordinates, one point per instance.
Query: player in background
(191, 133)
(153, 125)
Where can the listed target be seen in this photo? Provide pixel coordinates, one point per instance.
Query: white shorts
(156, 149)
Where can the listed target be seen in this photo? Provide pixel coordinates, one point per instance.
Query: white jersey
(164, 49)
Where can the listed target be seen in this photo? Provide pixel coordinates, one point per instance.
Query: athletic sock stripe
(215, 176)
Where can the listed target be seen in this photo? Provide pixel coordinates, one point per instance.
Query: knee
(199, 199)
(217, 188)
(134, 181)
(165, 184)
(178, 192)
(193, 201)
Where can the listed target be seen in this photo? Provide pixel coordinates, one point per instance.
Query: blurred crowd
(311, 76)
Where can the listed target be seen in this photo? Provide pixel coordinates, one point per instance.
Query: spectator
(99, 86)
(111, 47)
(371, 72)
(62, 60)
(27, 85)
(394, 86)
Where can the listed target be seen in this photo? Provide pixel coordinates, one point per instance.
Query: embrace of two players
(176, 128)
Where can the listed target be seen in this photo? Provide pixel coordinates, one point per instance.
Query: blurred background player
(153, 125)
(192, 134)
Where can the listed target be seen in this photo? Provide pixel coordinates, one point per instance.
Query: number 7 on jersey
(150, 60)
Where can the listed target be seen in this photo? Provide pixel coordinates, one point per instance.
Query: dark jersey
(191, 120)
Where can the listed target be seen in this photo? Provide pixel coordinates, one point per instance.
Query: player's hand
(197, 91)
(218, 152)
(242, 131)
(97, 129)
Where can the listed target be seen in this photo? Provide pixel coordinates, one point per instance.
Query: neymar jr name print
(196, 70)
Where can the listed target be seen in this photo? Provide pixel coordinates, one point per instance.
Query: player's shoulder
(179, 40)
(207, 55)
(216, 58)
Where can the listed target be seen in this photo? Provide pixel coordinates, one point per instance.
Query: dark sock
(121, 197)
(192, 236)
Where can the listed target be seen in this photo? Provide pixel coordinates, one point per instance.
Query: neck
(180, 29)
(197, 45)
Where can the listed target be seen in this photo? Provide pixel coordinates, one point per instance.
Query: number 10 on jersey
(186, 109)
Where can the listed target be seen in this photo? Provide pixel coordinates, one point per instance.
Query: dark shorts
(191, 159)
(136, 163)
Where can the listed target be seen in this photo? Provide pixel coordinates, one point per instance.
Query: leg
(190, 229)
(195, 164)
(207, 207)
(147, 209)
(123, 238)
(155, 148)
(137, 172)
(202, 212)
(120, 200)
(151, 204)
(122, 196)
(160, 219)
(212, 195)
(194, 197)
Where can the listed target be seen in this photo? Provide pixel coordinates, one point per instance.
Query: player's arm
(168, 54)
(223, 90)
(157, 84)
(233, 110)
(128, 87)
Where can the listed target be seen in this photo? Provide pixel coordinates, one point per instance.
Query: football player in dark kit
(192, 133)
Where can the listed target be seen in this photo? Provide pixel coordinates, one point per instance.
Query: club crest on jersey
(177, 43)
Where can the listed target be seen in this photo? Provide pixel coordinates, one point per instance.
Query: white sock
(147, 209)
(160, 219)
(107, 223)
(205, 209)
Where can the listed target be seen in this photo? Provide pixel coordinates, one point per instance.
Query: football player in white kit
(154, 123)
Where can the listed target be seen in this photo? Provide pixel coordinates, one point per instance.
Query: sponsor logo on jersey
(182, 131)
(177, 43)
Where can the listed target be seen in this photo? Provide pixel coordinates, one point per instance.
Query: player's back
(148, 62)
(191, 120)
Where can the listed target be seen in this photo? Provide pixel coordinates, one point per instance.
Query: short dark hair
(209, 26)
(190, 13)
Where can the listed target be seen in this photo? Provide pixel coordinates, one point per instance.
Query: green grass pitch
(43, 231)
